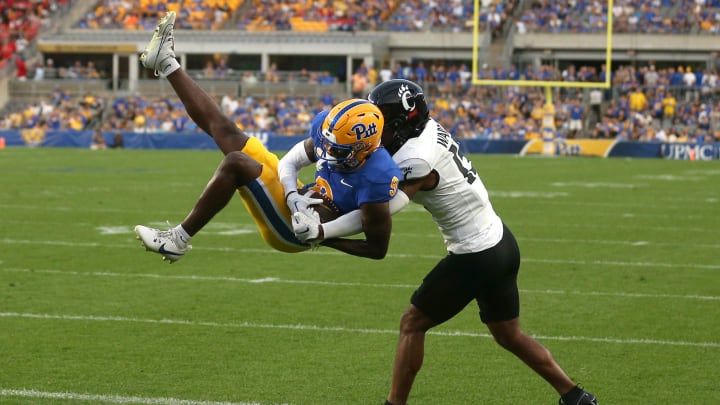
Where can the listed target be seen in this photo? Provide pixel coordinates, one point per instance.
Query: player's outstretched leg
(238, 168)
(159, 55)
(511, 337)
(170, 244)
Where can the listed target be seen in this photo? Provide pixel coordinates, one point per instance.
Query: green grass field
(620, 280)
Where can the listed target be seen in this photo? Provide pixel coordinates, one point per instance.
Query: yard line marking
(63, 209)
(626, 264)
(341, 329)
(614, 242)
(390, 255)
(431, 235)
(579, 184)
(211, 278)
(406, 213)
(670, 177)
(599, 225)
(625, 294)
(529, 194)
(113, 399)
(343, 283)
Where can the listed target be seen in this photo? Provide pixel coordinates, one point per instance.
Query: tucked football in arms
(327, 210)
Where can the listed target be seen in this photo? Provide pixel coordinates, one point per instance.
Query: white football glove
(301, 203)
(306, 228)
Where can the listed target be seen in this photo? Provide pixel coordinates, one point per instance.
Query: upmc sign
(691, 151)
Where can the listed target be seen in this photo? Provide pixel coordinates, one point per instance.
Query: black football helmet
(404, 108)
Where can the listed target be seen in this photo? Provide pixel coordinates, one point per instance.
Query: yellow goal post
(541, 83)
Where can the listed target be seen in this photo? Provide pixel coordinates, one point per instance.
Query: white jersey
(459, 204)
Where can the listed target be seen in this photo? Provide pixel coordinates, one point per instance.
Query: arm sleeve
(398, 202)
(290, 165)
(351, 223)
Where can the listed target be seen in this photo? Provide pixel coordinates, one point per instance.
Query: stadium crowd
(652, 16)
(266, 15)
(645, 103)
(143, 14)
(649, 16)
(20, 23)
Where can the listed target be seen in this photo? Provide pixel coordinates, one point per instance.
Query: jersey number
(463, 164)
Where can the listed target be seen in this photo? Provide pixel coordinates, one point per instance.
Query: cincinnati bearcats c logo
(406, 98)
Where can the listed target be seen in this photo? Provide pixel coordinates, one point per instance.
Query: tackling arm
(426, 183)
(352, 222)
(377, 224)
(374, 223)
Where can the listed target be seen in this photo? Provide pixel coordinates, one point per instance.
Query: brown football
(327, 210)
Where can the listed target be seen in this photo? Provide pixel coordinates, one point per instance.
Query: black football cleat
(578, 396)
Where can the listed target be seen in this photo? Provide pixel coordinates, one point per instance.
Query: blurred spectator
(577, 113)
(118, 141)
(50, 72)
(209, 70)
(97, 142)
(669, 104)
(91, 72)
(249, 79)
(359, 81)
(385, 73)
(372, 78)
(39, 72)
(222, 68)
(271, 74)
(20, 68)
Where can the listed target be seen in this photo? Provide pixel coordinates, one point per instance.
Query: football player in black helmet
(483, 257)
(403, 105)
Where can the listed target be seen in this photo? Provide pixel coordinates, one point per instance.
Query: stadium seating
(470, 111)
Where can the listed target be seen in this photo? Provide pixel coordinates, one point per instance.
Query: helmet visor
(338, 154)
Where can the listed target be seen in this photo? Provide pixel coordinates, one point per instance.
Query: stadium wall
(538, 147)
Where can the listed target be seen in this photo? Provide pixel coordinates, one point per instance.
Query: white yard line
(111, 399)
(318, 328)
(330, 252)
(338, 283)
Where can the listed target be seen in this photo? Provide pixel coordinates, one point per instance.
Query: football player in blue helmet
(348, 134)
(353, 171)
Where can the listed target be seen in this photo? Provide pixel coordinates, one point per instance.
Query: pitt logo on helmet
(350, 133)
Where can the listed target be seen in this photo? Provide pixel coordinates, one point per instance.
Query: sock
(168, 66)
(182, 233)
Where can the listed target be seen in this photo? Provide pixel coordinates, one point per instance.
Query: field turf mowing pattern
(620, 279)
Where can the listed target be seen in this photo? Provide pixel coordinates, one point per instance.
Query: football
(327, 210)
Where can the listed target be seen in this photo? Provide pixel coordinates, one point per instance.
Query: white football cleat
(167, 243)
(161, 46)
